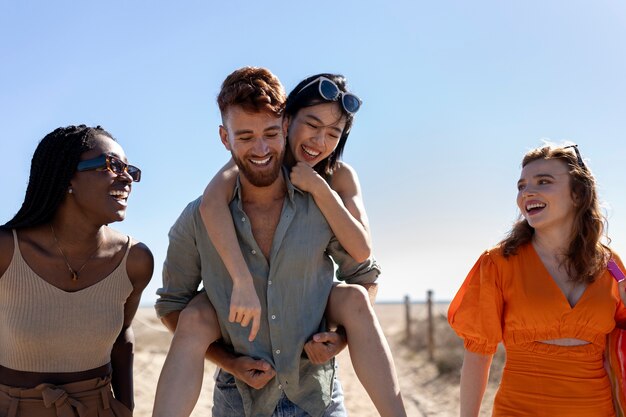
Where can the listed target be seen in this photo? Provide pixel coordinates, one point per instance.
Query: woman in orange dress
(546, 294)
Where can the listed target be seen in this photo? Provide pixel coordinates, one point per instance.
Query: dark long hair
(586, 255)
(310, 96)
(52, 166)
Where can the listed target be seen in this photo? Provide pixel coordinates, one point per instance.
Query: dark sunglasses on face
(579, 158)
(112, 163)
(331, 92)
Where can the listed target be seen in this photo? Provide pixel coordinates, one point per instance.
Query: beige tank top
(46, 329)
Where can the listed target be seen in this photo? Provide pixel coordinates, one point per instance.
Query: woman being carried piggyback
(318, 113)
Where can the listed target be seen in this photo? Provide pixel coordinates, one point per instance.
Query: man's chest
(263, 223)
(289, 238)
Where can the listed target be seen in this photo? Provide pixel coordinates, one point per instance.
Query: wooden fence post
(407, 315)
(431, 326)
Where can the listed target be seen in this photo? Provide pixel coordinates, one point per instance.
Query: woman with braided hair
(69, 284)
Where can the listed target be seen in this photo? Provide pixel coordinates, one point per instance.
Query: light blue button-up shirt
(293, 288)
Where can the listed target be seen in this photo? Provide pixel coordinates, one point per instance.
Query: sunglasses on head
(579, 158)
(112, 163)
(331, 92)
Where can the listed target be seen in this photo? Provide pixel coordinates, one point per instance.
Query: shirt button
(243, 219)
(280, 386)
(273, 317)
(278, 351)
(269, 282)
(253, 252)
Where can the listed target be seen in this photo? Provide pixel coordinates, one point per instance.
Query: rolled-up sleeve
(349, 270)
(181, 269)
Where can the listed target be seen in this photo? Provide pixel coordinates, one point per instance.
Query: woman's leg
(181, 377)
(349, 306)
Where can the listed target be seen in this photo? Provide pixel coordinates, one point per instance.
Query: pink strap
(615, 271)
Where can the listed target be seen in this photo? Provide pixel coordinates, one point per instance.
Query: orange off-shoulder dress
(515, 301)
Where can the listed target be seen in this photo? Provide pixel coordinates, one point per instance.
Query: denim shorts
(227, 401)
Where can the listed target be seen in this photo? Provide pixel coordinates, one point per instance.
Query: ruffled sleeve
(620, 311)
(475, 313)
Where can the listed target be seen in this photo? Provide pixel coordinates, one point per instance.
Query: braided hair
(52, 167)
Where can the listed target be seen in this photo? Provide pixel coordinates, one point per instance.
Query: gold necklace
(72, 270)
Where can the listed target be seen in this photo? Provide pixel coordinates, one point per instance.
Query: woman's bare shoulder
(343, 168)
(345, 179)
(140, 264)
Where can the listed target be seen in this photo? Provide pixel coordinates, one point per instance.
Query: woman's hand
(245, 307)
(305, 178)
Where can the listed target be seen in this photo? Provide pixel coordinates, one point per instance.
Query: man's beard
(256, 177)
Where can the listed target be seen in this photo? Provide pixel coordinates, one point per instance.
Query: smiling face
(100, 194)
(314, 132)
(256, 142)
(545, 196)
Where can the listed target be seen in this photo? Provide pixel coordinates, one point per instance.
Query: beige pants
(89, 398)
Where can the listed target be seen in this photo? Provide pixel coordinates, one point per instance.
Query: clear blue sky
(454, 93)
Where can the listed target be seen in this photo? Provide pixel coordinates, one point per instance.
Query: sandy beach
(426, 390)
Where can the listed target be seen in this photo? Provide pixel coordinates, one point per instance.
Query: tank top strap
(125, 258)
(17, 254)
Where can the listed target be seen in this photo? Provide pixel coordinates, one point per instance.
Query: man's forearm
(222, 357)
(254, 372)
